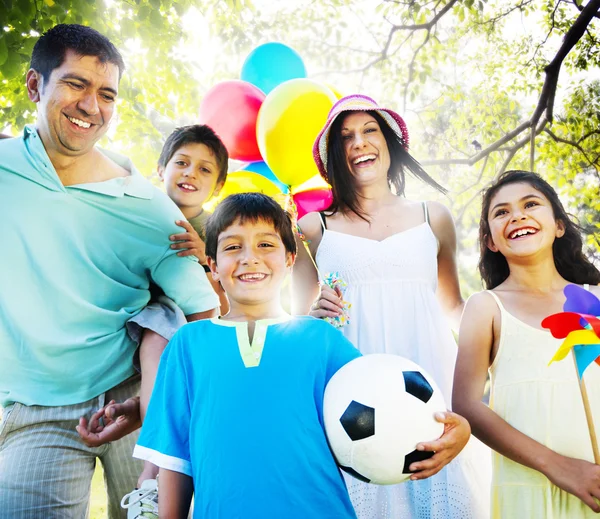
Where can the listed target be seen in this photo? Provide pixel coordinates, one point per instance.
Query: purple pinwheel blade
(580, 300)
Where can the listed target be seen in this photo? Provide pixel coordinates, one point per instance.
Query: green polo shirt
(77, 263)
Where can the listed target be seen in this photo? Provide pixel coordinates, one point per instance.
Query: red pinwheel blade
(560, 325)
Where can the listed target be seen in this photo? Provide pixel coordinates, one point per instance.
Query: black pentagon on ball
(358, 421)
(414, 456)
(416, 385)
(353, 472)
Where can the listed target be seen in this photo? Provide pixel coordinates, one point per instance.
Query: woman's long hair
(567, 250)
(343, 183)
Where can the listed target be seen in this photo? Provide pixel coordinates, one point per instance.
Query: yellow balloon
(244, 182)
(315, 182)
(289, 120)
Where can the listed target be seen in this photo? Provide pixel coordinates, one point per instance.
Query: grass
(98, 500)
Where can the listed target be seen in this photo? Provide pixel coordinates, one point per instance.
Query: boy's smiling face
(190, 177)
(251, 264)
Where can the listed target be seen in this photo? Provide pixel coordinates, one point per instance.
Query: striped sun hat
(355, 103)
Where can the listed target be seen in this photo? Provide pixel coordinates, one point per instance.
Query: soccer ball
(376, 409)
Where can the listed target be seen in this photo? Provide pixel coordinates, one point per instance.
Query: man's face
(76, 104)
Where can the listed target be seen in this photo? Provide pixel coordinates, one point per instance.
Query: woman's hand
(189, 243)
(578, 477)
(328, 304)
(456, 435)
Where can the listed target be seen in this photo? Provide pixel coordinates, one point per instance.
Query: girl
(393, 253)
(530, 251)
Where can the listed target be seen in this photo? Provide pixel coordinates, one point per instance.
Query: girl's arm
(480, 325)
(175, 490)
(448, 291)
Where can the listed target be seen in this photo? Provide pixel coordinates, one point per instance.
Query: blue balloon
(262, 169)
(271, 64)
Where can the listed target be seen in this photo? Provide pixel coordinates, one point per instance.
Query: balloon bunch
(270, 118)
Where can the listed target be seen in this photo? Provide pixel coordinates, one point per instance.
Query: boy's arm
(175, 490)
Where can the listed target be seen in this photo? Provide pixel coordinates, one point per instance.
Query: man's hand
(457, 432)
(189, 243)
(111, 423)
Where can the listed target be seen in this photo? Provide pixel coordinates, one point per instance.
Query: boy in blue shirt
(236, 414)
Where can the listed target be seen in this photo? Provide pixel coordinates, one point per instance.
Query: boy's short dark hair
(248, 207)
(196, 134)
(50, 50)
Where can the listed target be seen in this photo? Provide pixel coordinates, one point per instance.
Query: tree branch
(573, 35)
(575, 145)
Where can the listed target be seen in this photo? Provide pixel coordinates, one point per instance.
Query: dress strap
(425, 212)
(323, 220)
(497, 299)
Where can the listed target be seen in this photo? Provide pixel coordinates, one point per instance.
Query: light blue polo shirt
(76, 264)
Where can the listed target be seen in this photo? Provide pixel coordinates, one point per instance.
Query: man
(83, 234)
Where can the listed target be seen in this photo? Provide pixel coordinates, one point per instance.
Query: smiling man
(83, 235)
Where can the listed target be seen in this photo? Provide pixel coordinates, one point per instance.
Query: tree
(484, 85)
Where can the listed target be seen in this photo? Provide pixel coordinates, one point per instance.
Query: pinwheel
(579, 326)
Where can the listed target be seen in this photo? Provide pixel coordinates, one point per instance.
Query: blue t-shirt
(246, 420)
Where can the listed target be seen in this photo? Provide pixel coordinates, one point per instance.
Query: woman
(395, 255)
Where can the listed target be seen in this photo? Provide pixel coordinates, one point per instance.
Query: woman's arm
(476, 338)
(175, 490)
(305, 282)
(448, 291)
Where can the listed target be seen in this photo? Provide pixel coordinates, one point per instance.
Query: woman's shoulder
(439, 213)
(311, 225)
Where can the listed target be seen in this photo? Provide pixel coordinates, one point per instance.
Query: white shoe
(142, 503)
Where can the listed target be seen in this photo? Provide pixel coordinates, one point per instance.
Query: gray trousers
(46, 470)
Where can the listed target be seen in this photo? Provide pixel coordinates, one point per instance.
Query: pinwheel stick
(588, 412)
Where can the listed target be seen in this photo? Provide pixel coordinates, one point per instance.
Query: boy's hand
(111, 423)
(456, 435)
(190, 242)
(328, 304)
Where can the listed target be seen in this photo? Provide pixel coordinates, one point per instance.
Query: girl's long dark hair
(343, 184)
(567, 250)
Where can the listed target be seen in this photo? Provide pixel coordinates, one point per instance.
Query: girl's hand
(578, 477)
(456, 435)
(328, 304)
(189, 241)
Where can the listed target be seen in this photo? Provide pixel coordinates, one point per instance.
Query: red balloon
(230, 108)
(312, 200)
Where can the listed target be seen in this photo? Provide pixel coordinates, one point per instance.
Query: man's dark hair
(196, 134)
(50, 50)
(248, 207)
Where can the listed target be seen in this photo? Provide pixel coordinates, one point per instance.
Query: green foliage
(472, 76)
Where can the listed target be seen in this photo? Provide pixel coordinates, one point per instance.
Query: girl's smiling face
(521, 221)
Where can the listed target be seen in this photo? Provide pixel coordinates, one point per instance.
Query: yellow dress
(543, 402)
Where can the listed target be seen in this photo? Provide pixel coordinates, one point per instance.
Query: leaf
(3, 51)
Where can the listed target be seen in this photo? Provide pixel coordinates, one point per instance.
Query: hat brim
(394, 121)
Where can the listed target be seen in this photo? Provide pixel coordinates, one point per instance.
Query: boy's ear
(212, 264)
(560, 229)
(161, 172)
(290, 259)
(490, 243)
(217, 189)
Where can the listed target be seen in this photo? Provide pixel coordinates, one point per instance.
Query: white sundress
(391, 286)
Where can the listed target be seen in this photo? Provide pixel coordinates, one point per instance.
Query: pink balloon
(312, 200)
(230, 108)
